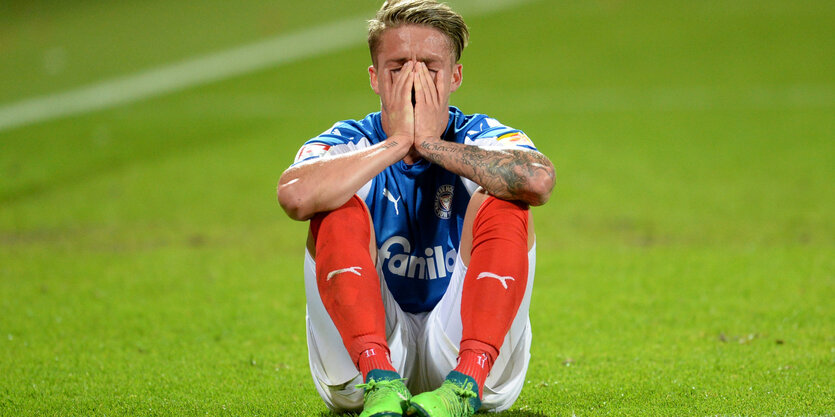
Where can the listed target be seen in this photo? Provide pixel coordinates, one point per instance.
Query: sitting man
(420, 257)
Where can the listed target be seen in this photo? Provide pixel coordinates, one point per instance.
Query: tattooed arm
(510, 174)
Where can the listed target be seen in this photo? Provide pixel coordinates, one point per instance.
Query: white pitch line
(273, 52)
(162, 80)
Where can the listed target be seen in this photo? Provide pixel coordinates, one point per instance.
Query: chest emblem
(443, 201)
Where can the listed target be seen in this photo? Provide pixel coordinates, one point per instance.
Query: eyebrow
(401, 61)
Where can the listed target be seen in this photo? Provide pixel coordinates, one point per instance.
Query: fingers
(424, 82)
(403, 85)
(397, 102)
(400, 82)
(407, 90)
(420, 93)
(431, 87)
(431, 113)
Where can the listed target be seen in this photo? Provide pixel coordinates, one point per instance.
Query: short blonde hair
(396, 13)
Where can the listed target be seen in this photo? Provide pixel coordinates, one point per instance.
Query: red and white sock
(494, 285)
(349, 285)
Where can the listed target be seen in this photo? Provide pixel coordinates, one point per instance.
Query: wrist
(427, 137)
(402, 138)
(433, 149)
(424, 140)
(399, 142)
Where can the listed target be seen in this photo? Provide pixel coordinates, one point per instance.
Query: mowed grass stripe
(684, 268)
(283, 49)
(158, 81)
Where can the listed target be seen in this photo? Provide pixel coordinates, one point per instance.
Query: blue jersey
(418, 209)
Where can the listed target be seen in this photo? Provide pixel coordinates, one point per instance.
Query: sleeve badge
(515, 138)
(311, 150)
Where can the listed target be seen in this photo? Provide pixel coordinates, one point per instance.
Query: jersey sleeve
(490, 133)
(340, 138)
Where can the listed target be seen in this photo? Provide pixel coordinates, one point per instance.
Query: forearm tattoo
(389, 143)
(505, 173)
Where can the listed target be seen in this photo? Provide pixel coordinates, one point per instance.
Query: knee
(351, 220)
(484, 209)
(341, 398)
(352, 214)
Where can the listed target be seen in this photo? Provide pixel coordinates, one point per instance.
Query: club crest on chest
(443, 201)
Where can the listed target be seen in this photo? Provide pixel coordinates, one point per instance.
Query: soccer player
(420, 257)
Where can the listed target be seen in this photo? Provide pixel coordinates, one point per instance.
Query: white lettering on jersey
(353, 270)
(401, 262)
(388, 195)
(501, 279)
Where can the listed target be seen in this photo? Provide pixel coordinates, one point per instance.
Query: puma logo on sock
(501, 279)
(353, 270)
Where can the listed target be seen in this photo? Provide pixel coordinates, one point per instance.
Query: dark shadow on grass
(510, 413)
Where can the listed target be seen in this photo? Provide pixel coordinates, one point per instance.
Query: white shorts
(424, 346)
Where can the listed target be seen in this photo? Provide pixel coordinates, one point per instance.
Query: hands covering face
(427, 118)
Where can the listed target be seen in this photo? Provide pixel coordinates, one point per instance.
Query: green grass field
(686, 260)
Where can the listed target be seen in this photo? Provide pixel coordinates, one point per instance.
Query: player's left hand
(431, 107)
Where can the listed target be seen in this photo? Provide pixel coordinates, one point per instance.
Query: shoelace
(460, 403)
(373, 386)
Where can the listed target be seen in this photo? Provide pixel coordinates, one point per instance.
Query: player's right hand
(397, 101)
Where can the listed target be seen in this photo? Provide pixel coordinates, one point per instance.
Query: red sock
(349, 285)
(494, 285)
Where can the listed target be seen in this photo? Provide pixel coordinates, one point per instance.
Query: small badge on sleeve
(515, 138)
(311, 150)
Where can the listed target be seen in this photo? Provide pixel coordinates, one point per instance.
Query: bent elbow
(292, 201)
(541, 187)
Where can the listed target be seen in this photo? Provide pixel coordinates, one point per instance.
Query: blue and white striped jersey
(418, 210)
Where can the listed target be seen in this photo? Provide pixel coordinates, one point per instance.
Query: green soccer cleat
(385, 394)
(457, 397)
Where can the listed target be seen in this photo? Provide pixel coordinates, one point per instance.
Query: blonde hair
(396, 13)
